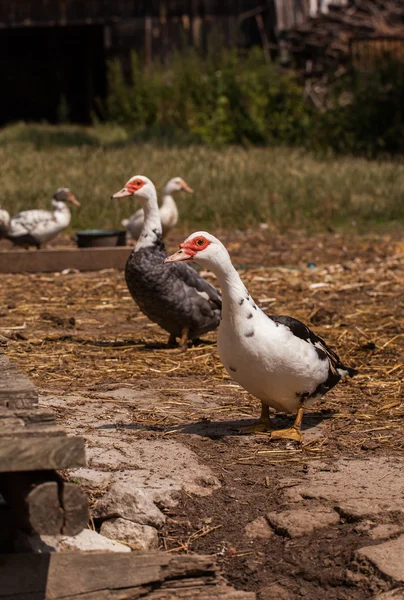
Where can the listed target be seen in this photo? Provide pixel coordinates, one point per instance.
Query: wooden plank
(30, 418)
(114, 576)
(43, 503)
(83, 259)
(28, 422)
(16, 390)
(40, 453)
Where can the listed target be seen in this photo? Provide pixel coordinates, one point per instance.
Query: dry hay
(82, 331)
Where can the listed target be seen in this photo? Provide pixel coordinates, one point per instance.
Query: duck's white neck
(61, 212)
(233, 289)
(167, 200)
(151, 230)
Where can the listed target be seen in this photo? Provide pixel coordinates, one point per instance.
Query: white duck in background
(37, 226)
(168, 209)
(4, 222)
(174, 297)
(276, 359)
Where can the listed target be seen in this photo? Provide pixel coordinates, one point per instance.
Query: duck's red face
(189, 249)
(130, 188)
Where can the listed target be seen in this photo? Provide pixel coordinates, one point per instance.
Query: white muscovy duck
(176, 298)
(168, 209)
(37, 226)
(276, 359)
(4, 222)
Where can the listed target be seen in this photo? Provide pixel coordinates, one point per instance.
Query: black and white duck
(4, 222)
(176, 298)
(168, 209)
(278, 360)
(37, 226)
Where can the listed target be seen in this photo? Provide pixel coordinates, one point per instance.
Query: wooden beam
(75, 509)
(16, 390)
(56, 260)
(40, 453)
(113, 576)
(42, 502)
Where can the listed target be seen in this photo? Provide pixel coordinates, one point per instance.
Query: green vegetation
(230, 99)
(221, 99)
(235, 186)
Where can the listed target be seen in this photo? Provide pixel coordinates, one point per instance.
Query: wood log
(83, 259)
(41, 502)
(16, 390)
(40, 453)
(113, 576)
(75, 509)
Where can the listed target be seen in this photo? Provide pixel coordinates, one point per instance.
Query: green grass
(234, 186)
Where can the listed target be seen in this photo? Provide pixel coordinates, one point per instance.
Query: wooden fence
(368, 53)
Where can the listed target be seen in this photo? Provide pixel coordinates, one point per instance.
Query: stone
(91, 478)
(162, 468)
(126, 500)
(397, 594)
(258, 528)
(358, 489)
(274, 592)
(297, 522)
(388, 558)
(139, 537)
(86, 541)
(385, 531)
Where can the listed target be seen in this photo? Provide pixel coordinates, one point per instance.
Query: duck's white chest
(267, 359)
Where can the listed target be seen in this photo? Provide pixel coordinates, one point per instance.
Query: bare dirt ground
(82, 340)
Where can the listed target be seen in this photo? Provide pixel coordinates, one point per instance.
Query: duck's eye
(200, 242)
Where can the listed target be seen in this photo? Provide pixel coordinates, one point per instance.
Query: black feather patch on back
(336, 367)
(172, 295)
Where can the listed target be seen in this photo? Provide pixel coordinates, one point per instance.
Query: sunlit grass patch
(235, 187)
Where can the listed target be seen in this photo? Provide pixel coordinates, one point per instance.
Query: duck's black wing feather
(172, 295)
(192, 279)
(337, 369)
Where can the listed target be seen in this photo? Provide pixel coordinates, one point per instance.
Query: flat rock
(274, 592)
(127, 501)
(139, 537)
(297, 522)
(357, 488)
(258, 528)
(92, 478)
(161, 469)
(382, 532)
(86, 541)
(397, 594)
(388, 558)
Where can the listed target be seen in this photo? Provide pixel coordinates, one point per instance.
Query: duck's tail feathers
(125, 222)
(347, 371)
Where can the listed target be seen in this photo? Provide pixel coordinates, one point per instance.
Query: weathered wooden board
(113, 576)
(40, 453)
(40, 501)
(16, 390)
(82, 259)
(75, 509)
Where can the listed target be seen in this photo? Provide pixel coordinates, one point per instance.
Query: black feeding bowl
(101, 238)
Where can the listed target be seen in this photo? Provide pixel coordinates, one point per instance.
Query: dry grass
(235, 187)
(83, 332)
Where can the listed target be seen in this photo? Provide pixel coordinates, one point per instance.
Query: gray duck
(176, 298)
